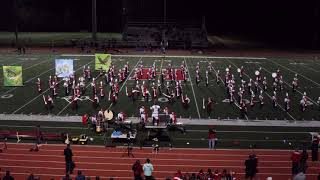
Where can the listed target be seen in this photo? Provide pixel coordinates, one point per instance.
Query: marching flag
(12, 76)
(102, 61)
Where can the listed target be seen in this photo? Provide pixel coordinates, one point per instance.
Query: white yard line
(291, 86)
(35, 65)
(42, 93)
(194, 95)
(265, 92)
(294, 72)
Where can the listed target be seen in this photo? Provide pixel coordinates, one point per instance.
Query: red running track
(48, 163)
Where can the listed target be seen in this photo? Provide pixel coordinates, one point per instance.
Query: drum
(98, 129)
(108, 115)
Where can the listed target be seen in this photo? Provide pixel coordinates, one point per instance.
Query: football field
(27, 100)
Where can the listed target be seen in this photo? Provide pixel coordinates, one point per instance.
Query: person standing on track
(212, 138)
(68, 158)
(147, 170)
(137, 170)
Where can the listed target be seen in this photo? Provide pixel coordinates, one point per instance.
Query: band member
(77, 91)
(261, 99)
(280, 83)
(264, 83)
(143, 114)
(93, 85)
(173, 118)
(295, 83)
(249, 85)
(121, 116)
(88, 73)
(256, 86)
(208, 105)
(74, 102)
(113, 97)
(54, 89)
(39, 84)
(102, 94)
(218, 76)
(241, 72)
(66, 87)
(243, 109)
(154, 92)
(197, 77)
(95, 101)
(48, 102)
(318, 101)
(274, 99)
(287, 102)
(155, 114)
(185, 101)
(303, 105)
(207, 78)
(82, 85)
(252, 96)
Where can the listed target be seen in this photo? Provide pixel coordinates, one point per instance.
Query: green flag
(12, 75)
(102, 61)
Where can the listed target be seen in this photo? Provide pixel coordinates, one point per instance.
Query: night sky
(281, 20)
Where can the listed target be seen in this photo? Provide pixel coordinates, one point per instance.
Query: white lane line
(296, 89)
(194, 95)
(265, 92)
(294, 72)
(42, 93)
(127, 79)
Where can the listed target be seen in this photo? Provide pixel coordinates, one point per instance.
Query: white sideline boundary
(185, 121)
(145, 55)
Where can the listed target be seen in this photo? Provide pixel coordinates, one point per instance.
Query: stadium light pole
(94, 20)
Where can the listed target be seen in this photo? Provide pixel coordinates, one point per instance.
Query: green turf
(27, 100)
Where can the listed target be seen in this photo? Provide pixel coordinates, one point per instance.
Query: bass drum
(108, 115)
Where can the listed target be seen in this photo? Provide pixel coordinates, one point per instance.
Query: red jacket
(295, 157)
(212, 135)
(137, 169)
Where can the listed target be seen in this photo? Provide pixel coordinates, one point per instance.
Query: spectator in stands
(148, 169)
(226, 175)
(251, 166)
(7, 176)
(201, 174)
(137, 170)
(80, 176)
(98, 178)
(67, 177)
(295, 158)
(209, 174)
(178, 175)
(212, 138)
(193, 176)
(216, 174)
(68, 158)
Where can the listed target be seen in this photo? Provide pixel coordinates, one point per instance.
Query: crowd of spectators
(202, 175)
